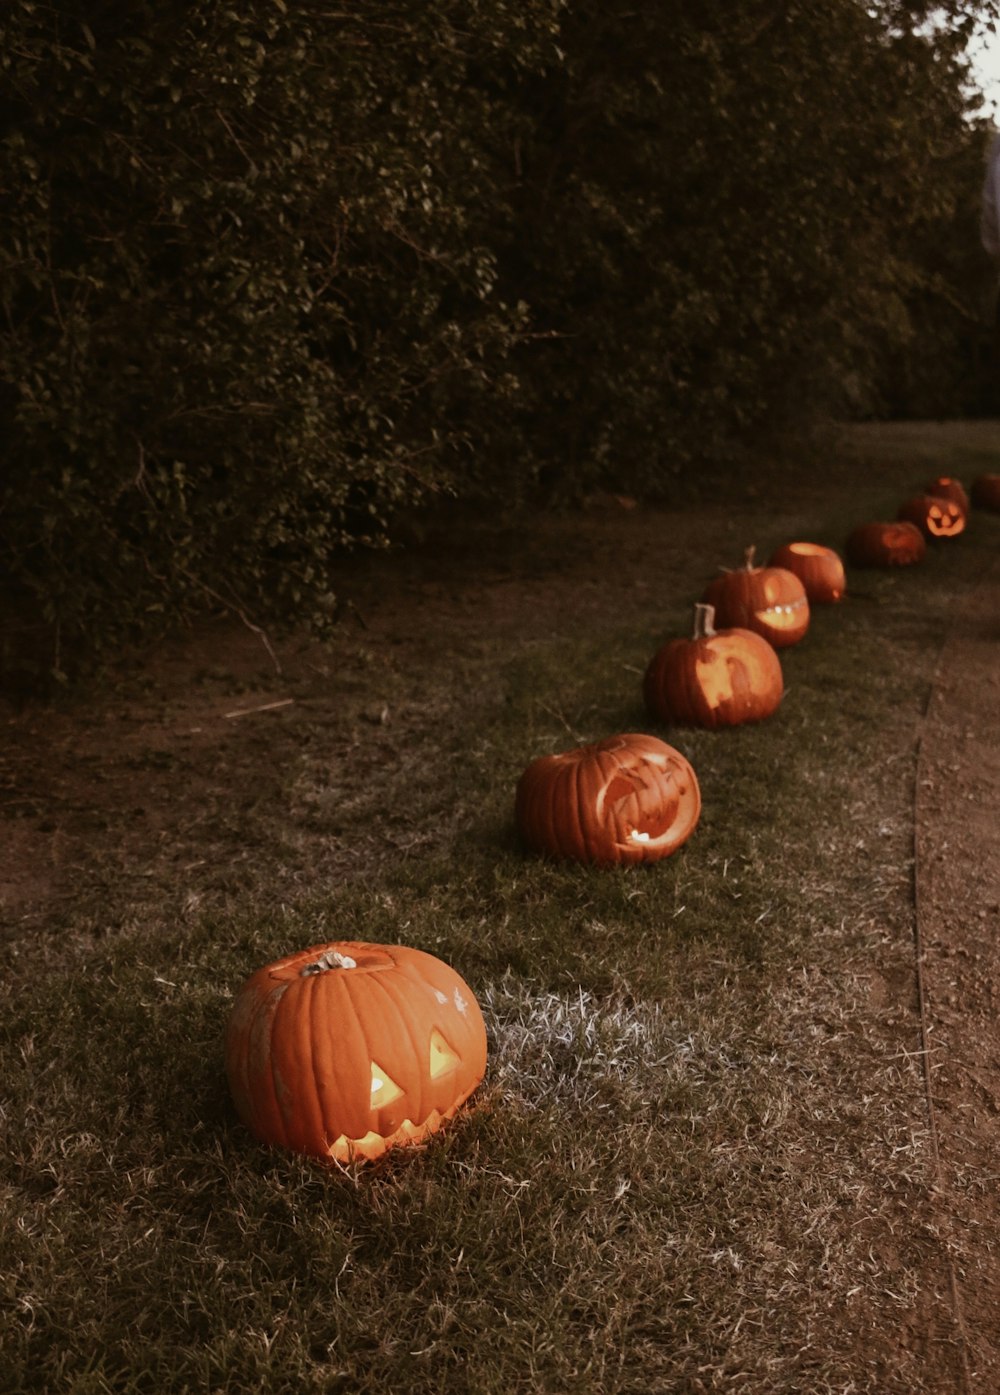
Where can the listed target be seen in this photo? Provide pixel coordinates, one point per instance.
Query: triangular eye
(443, 1059)
(384, 1088)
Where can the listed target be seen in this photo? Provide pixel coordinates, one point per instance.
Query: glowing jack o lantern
(768, 600)
(986, 492)
(629, 798)
(818, 568)
(885, 545)
(944, 487)
(716, 678)
(344, 1050)
(935, 516)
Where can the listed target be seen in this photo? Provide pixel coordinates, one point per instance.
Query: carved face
(630, 798)
(818, 568)
(935, 516)
(768, 600)
(345, 1050)
(944, 487)
(716, 678)
(778, 612)
(886, 545)
(725, 668)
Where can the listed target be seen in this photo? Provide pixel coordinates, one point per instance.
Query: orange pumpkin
(986, 492)
(945, 487)
(935, 516)
(346, 1049)
(818, 568)
(716, 678)
(768, 600)
(629, 798)
(885, 545)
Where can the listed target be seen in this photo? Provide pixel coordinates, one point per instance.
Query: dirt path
(956, 825)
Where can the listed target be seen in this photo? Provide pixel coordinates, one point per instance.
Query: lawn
(699, 1158)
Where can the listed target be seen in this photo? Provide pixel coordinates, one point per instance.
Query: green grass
(696, 1158)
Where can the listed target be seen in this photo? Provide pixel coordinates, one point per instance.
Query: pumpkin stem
(704, 621)
(332, 959)
(748, 557)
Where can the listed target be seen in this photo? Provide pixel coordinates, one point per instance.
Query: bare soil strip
(956, 823)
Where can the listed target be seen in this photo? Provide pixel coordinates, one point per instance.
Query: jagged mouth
(784, 616)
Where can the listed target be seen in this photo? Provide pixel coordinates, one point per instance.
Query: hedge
(271, 273)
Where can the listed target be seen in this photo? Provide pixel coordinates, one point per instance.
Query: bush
(270, 274)
(249, 303)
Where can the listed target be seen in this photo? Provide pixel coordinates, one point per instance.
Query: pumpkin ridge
(287, 1065)
(609, 774)
(406, 1028)
(310, 1062)
(547, 807)
(687, 689)
(260, 1035)
(346, 1041)
(692, 699)
(354, 1121)
(579, 832)
(609, 766)
(658, 700)
(262, 1026)
(544, 807)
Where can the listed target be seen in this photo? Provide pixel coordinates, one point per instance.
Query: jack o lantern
(944, 487)
(346, 1049)
(818, 568)
(768, 600)
(716, 678)
(986, 492)
(885, 545)
(629, 798)
(935, 516)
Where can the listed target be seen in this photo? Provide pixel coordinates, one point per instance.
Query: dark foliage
(269, 273)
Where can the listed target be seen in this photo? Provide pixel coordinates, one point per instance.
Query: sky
(985, 55)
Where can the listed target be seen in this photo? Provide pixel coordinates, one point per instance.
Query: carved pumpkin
(986, 492)
(885, 545)
(346, 1049)
(629, 798)
(947, 488)
(818, 568)
(768, 600)
(716, 678)
(935, 516)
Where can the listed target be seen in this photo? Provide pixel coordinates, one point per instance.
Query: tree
(270, 273)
